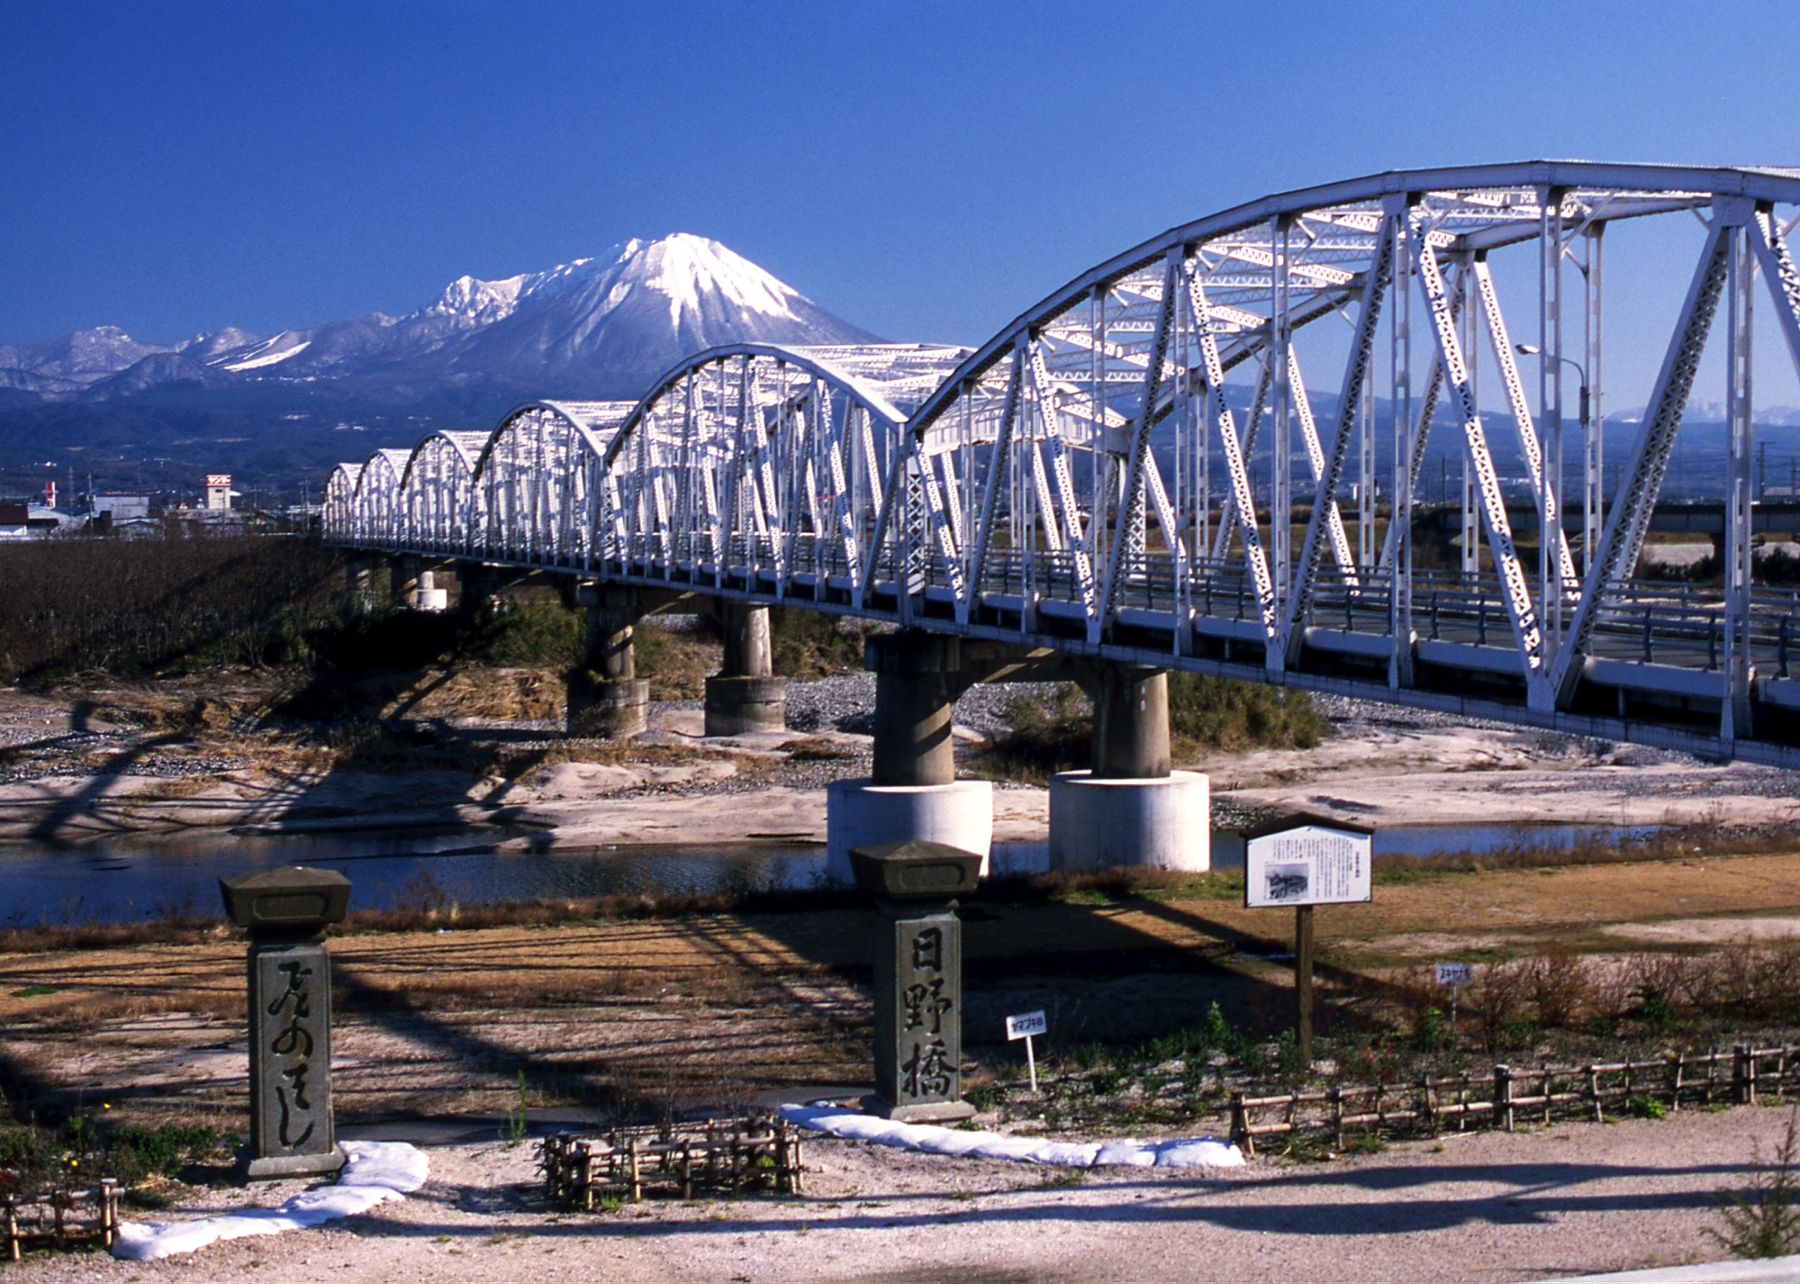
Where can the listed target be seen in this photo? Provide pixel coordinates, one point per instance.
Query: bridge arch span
(1136, 468)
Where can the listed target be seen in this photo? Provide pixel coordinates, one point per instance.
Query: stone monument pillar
(286, 912)
(608, 698)
(918, 977)
(744, 695)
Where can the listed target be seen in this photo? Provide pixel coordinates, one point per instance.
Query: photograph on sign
(1307, 864)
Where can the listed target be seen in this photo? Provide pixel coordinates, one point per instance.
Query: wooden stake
(1303, 983)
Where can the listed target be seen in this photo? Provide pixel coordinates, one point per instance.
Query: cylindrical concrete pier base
(737, 705)
(1099, 823)
(615, 709)
(861, 814)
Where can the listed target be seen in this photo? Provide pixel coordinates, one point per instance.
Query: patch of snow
(684, 267)
(374, 1172)
(267, 358)
(1178, 1152)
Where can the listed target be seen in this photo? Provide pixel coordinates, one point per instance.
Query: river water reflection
(133, 877)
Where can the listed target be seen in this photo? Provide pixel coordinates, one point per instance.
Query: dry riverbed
(201, 753)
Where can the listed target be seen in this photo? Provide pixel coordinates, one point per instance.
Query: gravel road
(1563, 1201)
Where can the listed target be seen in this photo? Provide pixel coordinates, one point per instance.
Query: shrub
(1763, 1222)
(811, 644)
(1432, 1032)
(1042, 738)
(1219, 713)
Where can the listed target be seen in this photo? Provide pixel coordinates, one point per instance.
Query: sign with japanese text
(1455, 973)
(919, 1059)
(1026, 1025)
(290, 1050)
(1307, 865)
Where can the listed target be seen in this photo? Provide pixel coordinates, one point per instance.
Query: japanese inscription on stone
(290, 1026)
(926, 1035)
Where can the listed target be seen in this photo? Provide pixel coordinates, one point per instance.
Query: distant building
(13, 519)
(218, 492)
(122, 508)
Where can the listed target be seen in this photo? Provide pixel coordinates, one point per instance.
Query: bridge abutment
(913, 792)
(745, 696)
(606, 697)
(1129, 808)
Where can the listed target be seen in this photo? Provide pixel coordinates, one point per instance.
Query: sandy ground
(1567, 1200)
(75, 778)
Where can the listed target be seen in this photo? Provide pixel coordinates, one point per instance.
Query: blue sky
(924, 169)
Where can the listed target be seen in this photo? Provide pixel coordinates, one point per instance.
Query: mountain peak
(592, 327)
(688, 268)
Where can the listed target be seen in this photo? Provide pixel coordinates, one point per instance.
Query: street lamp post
(1552, 497)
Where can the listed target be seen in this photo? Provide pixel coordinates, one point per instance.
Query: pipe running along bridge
(1090, 493)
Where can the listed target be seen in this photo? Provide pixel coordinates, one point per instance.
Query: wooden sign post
(1305, 861)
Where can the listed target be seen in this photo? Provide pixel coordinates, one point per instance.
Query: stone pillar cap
(915, 870)
(290, 899)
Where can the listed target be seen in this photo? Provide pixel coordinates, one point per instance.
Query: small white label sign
(1455, 973)
(1311, 865)
(1025, 1025)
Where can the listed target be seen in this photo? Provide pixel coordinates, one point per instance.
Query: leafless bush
(1559, 987)
(1499, 996)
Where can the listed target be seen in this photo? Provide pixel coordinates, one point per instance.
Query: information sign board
(1025, 1025)
(1307, 865)
(1455, 973)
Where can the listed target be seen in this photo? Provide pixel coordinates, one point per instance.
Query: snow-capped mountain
(598, 327)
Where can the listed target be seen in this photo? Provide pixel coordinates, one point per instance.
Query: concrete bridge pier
(359, 584)
(1129, 808)
(745, 696)
(606, 697)
(913, 791)
(403, 579)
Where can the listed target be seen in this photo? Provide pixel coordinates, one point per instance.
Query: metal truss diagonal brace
(998, 458)
(1530, 447)
(1065, 479)
(1243, 502)
(1259, 399)
(1527, 631)
(1128, 536)
(1356, 375)
(1315, 460)
(1626, 525)
(1783, 277)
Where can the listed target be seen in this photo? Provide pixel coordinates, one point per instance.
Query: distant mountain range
(275, 408)
(595, 328)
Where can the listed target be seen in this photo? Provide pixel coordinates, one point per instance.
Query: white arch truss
(1136, 468)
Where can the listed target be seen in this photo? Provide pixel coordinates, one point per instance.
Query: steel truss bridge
(1089, 479)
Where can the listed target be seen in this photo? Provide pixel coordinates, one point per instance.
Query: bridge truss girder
(1082, 480)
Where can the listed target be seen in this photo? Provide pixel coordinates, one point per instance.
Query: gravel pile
(847, 703)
